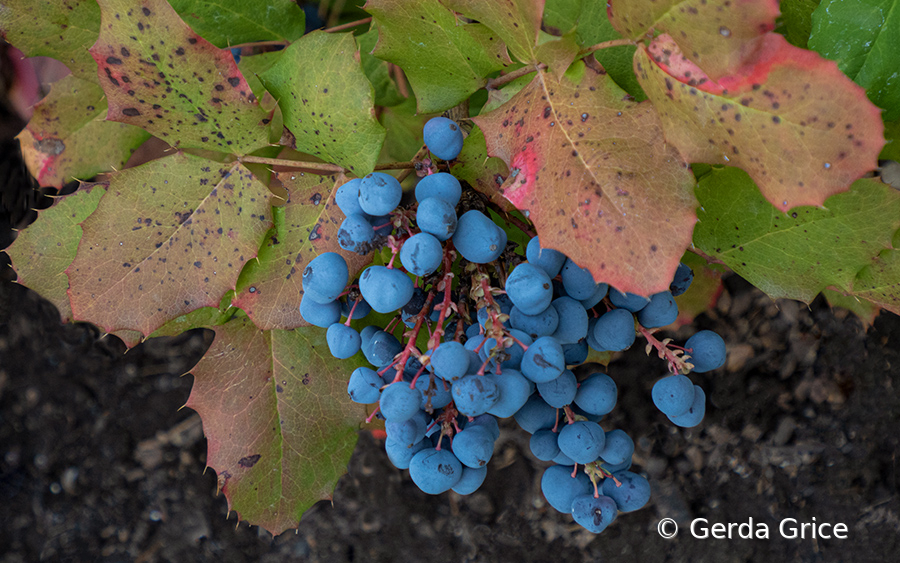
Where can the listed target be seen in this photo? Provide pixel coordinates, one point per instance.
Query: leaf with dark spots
(182, 86)
(378, 72)
(161, 282)
(799, 253)
(863, 37)
(516, 22)
(445, 60)
(829, 134)
(626, 189)
(301, 438)
(276, 275)
(717, 35)
(59, 29)
(42, 252)
(327, 101)
(68, 137)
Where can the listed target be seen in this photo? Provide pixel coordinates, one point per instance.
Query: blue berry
(385, 289)
(440, 185)
(474, 394)
(594, 514)
(399, 402)
(544, 360)
(343, 341)
(325, 277)
(477, 238)
(694, 415)
(379, 193)
(560, 488)
(660, 311)
(347, 197)
(597, 394)
(582, 441)
(673, 395)
(443, 137)
(707, 351)
(682, 279)
(364, 386)
(435, 471)
(356, 234)
(614, 330)
(628, 301)
(421, 254)
(529, 288)
(436, 217)
(549, 260)
(632, 492)
(322, 315)
(470, 481)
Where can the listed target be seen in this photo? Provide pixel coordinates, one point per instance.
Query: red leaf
(718, 35)
(592, 172)
(789, 118)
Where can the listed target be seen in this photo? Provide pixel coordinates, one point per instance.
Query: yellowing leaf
(169, 237)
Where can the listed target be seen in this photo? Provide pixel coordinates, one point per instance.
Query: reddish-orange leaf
(168, 237)
(717, 35)
(593, 173)
(791, 119)
(270, 287)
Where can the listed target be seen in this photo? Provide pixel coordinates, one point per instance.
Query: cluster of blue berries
(503, 336)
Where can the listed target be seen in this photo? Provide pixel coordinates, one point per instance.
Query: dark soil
(99, 464)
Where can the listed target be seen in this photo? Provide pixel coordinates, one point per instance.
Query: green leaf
(68, 137)
(863, 309)
(799, 253)
(279, 427)
(404, 131)
(891, 149)
(796, 19)
(561, 16)
(444, 60)
(163, 77)
(42, 252)
(270, 287)
(225, 22)
(863, 36)
(517, 22)
(327, 100)
(62, 29)
(252, 66)
(793, 121)
(169, 237)
(594, 27)
(595, 176)
(879, 283)
(716, 35)
(557, 52)
(377, 71)
(485, 174)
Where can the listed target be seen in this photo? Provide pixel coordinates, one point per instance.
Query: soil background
(98, 462)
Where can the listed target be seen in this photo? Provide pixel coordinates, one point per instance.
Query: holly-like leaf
(517, 22)
(561, 16)
(704, 291)
(169, 237)
(42, 252)
(863, 309)
(327, 101)
(269, 289)
(799, 253)
(68, 136)
(225, 22)
(716, 35)
(594, 27)
(377, 71)
(891, 150)
(404, 131)
(593, 173)
(61, 29)
(160, 75)
(444, 59)
(557, 52)
(863, 36)
(792, 120)
(252, 66)
(879, 283)
(278, 424)
(485, 174)
(796, 18)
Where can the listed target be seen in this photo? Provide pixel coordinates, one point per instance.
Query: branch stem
(348, 25)
(495, 83)
(605, 45)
